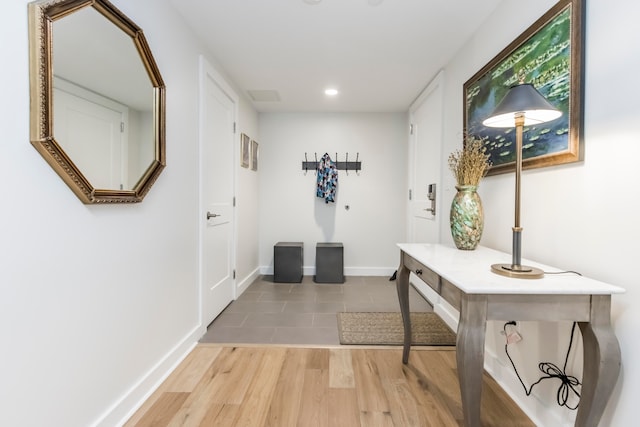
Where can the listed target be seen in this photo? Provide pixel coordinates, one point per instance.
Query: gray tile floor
(303, 313)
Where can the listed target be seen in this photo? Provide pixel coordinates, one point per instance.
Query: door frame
(207, 70)
(439, 305)
(435, 83)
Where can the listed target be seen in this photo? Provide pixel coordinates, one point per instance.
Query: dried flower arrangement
(470, 164)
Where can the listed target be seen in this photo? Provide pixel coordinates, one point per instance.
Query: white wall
(97, 303)
(247, 206)
(578, 217)
(290, 210)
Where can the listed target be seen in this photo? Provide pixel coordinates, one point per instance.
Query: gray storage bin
(287, 262)
(329, 263)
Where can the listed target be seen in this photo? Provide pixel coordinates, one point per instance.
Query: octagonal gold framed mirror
(97, 100)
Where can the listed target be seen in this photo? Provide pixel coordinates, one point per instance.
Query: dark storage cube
(287, 262)
(329, 263)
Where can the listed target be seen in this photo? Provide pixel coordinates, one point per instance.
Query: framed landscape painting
(549, 54)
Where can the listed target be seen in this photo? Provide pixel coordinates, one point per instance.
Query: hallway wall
(97, 303)
(290, 210)
(578, 216)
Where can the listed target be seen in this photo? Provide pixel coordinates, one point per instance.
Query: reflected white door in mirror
(79, 119)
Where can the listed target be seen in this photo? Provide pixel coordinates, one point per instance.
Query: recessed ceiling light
(312, 2)
(331, 92)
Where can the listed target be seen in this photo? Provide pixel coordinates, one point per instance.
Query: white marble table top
(470, 271)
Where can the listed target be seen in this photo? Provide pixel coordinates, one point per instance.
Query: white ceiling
(378, 56)
(106, 63)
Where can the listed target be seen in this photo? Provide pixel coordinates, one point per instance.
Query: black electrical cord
(569, 383)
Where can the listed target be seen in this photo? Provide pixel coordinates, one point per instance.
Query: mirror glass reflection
(102, 100)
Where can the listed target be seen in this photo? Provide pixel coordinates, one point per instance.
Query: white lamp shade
(524, 99)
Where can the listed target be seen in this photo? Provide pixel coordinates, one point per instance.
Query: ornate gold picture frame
(549, 54)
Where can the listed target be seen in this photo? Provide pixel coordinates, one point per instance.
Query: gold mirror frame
(42, 14)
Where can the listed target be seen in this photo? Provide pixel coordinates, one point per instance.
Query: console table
(464, 279)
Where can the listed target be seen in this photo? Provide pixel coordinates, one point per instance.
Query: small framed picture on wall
(254, 155)
(245, 150)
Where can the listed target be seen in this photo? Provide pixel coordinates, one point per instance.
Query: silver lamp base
(517, 271)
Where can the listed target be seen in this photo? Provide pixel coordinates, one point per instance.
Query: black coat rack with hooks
(345, 165)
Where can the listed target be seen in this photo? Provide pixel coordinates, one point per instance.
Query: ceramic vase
(466, 217)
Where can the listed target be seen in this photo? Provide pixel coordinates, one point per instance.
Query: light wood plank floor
(253, 386)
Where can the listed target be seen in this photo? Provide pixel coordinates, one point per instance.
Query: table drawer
(425, 274)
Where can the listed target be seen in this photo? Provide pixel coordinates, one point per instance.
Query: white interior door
(90, 130)
(425, 151)
(217, 137)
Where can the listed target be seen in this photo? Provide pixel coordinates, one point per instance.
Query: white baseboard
(134, 398)
(348, 271)
(369, 271)
(244, 283)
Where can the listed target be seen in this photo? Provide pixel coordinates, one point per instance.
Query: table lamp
(522, 106)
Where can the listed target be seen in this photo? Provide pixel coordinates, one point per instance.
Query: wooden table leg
(470, 355)
(402, 286)
(601, 362)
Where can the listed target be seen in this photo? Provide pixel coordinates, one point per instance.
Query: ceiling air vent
(264, 95)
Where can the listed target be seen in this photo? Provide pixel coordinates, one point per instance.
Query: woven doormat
(386, 329)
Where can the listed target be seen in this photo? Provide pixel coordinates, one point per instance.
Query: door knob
(210, 215)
